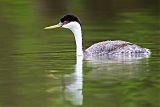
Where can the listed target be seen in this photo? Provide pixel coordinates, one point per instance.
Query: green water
(39, 68)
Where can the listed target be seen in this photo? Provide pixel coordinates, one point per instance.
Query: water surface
(39, 68)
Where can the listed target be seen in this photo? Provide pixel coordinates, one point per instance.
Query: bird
(104, 48)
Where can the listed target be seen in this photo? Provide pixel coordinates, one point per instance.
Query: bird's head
(67, 21)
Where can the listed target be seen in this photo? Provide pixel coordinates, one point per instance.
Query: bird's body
(113, 48)
(116, 47)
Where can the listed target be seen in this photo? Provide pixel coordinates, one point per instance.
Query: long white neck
(76, 29)
(78, 38)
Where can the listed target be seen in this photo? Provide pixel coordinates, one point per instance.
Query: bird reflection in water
(116, 68)
(74, 84)
(102, 68)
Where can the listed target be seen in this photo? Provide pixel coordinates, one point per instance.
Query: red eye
(65, 22)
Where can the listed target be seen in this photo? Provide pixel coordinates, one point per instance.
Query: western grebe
(116, 47)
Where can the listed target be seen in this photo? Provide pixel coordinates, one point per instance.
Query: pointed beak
(54, 26)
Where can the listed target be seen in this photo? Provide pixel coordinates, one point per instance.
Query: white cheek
(69, 26)
(72, 26)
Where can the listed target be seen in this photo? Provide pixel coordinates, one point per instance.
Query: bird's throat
(78, 38)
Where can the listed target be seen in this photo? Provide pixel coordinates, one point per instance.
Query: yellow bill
(54, 26)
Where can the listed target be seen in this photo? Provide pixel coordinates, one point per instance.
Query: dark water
(38, 68)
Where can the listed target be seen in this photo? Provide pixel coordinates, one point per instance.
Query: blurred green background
(33, 61)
